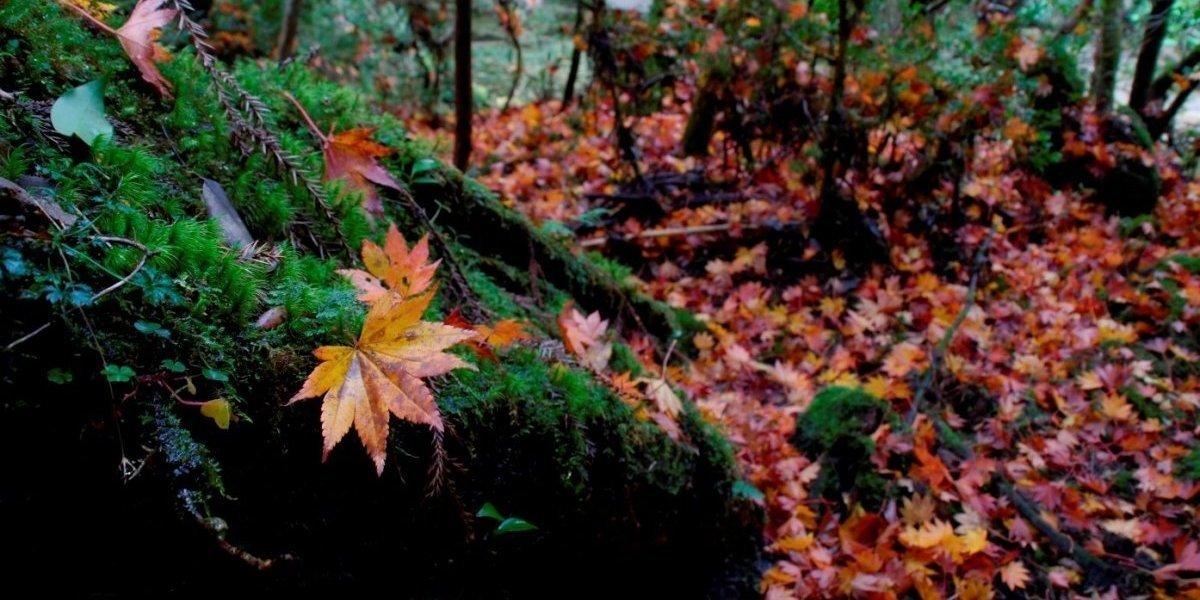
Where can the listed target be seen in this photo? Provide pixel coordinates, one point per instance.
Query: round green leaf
(80, 112)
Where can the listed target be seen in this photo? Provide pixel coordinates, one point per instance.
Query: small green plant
(504, 524)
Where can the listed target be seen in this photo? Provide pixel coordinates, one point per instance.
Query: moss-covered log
(113, 319)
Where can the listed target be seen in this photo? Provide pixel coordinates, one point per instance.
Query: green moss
(836, 429)
(1189, 465)
(624, 360)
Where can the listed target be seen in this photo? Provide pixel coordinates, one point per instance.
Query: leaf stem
(90, 18)
(312, 126)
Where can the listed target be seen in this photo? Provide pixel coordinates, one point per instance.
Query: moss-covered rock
(836, 430)
(142, 493)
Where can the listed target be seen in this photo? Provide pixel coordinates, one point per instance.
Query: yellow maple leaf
(928, 535)
(383, 373)
(1115, 407)
(396, 267)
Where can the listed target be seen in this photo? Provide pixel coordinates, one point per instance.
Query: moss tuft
(836, 430)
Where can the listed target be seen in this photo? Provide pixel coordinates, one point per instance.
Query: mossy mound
(836, 430)
(139, 492)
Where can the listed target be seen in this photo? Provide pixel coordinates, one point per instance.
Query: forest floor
(1055, 353)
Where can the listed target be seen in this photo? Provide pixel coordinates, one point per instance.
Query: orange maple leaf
(502, 334)
(352, 156)
(383, 373)
(394, 267)
(138, 37)
(1015, 575)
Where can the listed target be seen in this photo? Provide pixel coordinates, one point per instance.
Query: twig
(124, 280)
(22, 339)
(53, 212)
(456, 271)
(312, 126)
(108, 290)
(944, 345)
(657, 233)
(262, 564)
(90, 18)
(1031, 511)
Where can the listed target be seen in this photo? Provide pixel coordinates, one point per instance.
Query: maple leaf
(1015, 575)
(658, 390)
(383, 373)
(502, 334)
(919, 509)
(584, 337)
(352, 156)
(393, 267)
(138, 36)
(1026, 52)
(903, 358)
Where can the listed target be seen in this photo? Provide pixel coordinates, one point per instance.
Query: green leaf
(214, 375)
(80, 112)
(489, 511)
(173, 366)
(515, 525)
(118, 373)
(59, 376)
(746, 490)
(151, 328)
(424, 165)
(13, 262)
(424, 171)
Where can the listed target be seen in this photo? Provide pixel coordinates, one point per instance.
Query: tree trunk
(463, 98)
(840, 224)
(1147, 60)
(833, 119)
(511, 32)
(286, 45)
(1108, 53)
(699, 130)
(576, 58)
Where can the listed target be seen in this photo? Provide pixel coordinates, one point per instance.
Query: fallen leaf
(584, 337)
(503, 333)
(80, 112)
(354, 158)
(218, 410)
(139, 35)
(659, 390)
(1015, 575)
(383, 373)
(395, 267)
